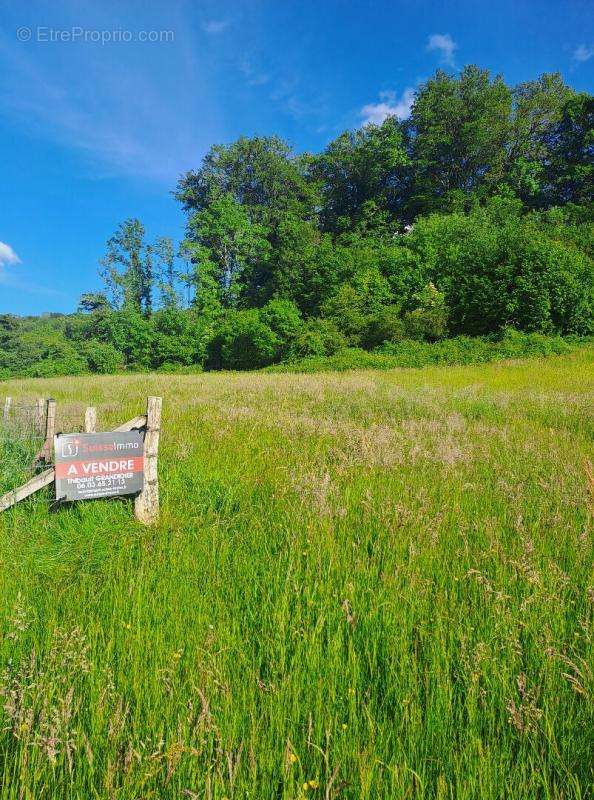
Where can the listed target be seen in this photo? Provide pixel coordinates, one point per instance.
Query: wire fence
(22, 435)
(24, 449)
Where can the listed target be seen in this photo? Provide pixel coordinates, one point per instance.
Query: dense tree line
(472, 216)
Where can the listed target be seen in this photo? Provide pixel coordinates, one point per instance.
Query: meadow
(363, 585)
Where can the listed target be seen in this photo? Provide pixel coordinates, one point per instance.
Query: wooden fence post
(91, 420)
(146, 505)
(7, 404)
(50, 430)
(38, 416)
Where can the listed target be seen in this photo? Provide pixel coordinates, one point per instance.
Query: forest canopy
(471, 217)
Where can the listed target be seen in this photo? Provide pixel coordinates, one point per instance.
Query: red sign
(80, 469)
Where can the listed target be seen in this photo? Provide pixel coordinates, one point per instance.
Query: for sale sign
(91, 465)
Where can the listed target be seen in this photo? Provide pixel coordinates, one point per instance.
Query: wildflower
(344, 726)
(292, 758)
(305, 786)
(313, 784)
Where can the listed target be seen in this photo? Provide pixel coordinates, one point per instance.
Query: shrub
(353, 303)
(242, 341)
(349, 358)
(318, 337)
(284, 320)
(170, 368)
(466, 350)
(429, 317)
(129, 332)
(499, 269)
(176, 338)
(344, 312)
(459, 350)
(386, 325)
(102, 357)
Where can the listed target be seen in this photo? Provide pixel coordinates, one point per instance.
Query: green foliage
(40, 349)
(224, 244)
(129, 332)
(127, 268)
(93, 302)
(458, 128)
(318, 337)
(177, 338)
(102, 357)
(473, 215)
(505, 271)
(458, 350)
(570, 170)
(361, 167)
(260, 174)
(284, 320)
(428, 318)
(351, 306)
(242, 341)
(385, 325)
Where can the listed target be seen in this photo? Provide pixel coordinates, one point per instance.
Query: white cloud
(215, 26)
(583, 53)
(445, 45)
(389, 106)
(22, 283)
(8, 257)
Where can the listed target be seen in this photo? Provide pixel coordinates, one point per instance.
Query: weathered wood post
(50, 430)
(38, 416)
(91, 420)
(7, 405)
(146, 505)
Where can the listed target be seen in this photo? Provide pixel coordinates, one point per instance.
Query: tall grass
(363, 585)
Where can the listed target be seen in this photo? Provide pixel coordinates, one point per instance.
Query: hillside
(364, 585)
(468, 217)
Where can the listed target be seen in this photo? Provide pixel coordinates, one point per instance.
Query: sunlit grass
(365, 585)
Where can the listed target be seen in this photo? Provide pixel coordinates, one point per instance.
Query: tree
(428, 319)
(362, 169)
(538, 108)
(570, 172)
(243, 341)
(223, 243)
(260, 174)
(301, 265)
(284, 320)
(127, 268)
(457, 133)
(166, 273)
(177, 338)
(497, 269)
(93, 302)
(355, 302)
(102, 357)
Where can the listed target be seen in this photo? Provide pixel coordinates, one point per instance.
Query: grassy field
(364, 585)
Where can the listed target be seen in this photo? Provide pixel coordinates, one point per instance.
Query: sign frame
(91, 466)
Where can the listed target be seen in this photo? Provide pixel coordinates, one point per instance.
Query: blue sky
(97, 124)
